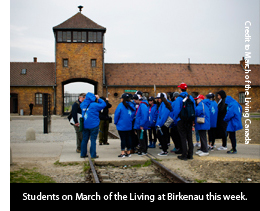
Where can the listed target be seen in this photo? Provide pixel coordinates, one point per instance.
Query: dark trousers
(203, 140)
(143, 141)
(78, 137)
(134, 139)
(152, 131)
(163, 138)
(212, 135)
(232, 136)
(185, 131)
(103, 131)
(125, 137)
(176, 137)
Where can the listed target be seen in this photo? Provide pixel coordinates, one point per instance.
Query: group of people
(163, 118)
(174, 117)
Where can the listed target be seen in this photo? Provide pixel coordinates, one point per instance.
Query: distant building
(79, 57)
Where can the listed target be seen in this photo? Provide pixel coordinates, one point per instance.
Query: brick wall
(79, 57)
(26, 95)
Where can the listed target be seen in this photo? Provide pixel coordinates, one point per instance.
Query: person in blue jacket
(123, 118)
(174, 131)
(141, 123)
(233, 118)
(202, 110)
(153, 113)
(90, 112)
(162, 131)
(213, 108)
(184, 128)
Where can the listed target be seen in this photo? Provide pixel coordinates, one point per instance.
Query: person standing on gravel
(76, 112)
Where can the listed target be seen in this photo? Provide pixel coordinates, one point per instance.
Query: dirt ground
(72, 173)
(216, 170)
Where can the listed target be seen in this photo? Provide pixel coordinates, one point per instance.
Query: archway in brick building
(72, 88)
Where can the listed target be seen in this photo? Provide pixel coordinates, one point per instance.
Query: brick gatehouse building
(79, 57)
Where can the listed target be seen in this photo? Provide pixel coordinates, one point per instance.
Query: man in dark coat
(221, 124)
(76, 112)
(104, 123)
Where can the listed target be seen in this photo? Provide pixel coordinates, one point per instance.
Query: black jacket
(76, 110)
(221, 124)
(103, 114)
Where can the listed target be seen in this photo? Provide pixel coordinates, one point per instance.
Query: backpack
(187, 112)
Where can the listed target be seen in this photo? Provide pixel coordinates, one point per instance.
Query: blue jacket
(124, 116)
(199, 113)
(91, 116)
(163, 114)
(213, 108)
(142, 116)
(234, 115)
(153, 116)
(172, 114)
(178, 106)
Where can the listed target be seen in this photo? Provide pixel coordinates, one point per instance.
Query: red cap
(183, 86)
(200, 97)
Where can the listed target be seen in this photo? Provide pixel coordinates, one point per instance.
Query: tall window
(93, 62)
(99, 37)
(68, 36)
(65, 63)
(38, 99)
(242, 97)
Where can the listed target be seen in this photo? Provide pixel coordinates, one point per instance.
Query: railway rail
(172, 176)
(93, 170)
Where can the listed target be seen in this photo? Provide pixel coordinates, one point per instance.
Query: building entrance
(71, 90)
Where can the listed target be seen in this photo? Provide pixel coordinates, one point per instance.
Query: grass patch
(200, 181)
(86, 167)
(147, 163)
(57, 163)
(29, 176)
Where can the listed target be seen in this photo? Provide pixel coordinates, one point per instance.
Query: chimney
(34, 59)
(243, 62)
(189, 63)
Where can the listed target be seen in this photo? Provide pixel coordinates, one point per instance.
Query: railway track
(172, 176)
(93, 170)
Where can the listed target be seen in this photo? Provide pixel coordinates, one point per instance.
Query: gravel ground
(207, 169)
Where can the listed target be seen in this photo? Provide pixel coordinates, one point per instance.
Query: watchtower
(79, 55)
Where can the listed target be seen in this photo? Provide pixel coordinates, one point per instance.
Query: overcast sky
(142, 31)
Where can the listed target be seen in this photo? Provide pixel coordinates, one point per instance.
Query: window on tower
(99, 37)
(59, 36)
(79, 36)
(84, 36)
(75, 37)
(68, 36)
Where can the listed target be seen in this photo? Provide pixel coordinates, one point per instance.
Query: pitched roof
(79, 21)
(37, 74)
(134, 74)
